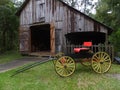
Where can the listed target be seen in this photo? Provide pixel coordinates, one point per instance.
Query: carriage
(99, 59)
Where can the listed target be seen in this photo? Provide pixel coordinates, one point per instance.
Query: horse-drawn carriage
(100, 61)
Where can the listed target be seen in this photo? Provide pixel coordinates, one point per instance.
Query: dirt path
(117, 76)
(19, 62)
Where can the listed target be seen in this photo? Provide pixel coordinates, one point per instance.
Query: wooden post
(52, 38)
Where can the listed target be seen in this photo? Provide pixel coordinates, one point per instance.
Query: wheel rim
(57, 56)
(65, 66)
(54, 61)
(101, 62)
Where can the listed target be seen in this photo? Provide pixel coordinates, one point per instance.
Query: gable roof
(110, 30)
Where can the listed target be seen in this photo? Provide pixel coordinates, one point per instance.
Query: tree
(108, 13)
(71, 2)
(17, 3)
(3, 2)
(8, 26)
(85, 6)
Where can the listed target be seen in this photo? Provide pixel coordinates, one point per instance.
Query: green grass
(43, 77)
(9, 56)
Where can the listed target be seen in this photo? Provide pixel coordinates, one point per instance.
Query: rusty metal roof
(110, 30)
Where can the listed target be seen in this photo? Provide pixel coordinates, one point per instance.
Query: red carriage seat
(86, 45)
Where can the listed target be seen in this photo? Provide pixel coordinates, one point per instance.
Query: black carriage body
(81, 54)
(78, 38)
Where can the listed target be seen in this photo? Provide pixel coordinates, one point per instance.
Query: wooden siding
(26, 15)
(65, 19)
(24, 36)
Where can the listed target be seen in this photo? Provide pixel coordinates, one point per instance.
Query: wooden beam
(52, 38)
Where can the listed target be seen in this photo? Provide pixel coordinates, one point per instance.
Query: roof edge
(21, 7)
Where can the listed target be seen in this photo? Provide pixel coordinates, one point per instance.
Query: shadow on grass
(83, 69)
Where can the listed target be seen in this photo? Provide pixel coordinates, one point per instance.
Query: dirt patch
(84, 83)
(117, 76)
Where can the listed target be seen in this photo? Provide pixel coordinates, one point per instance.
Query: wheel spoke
(99, 70)
(96, 66)
(106, 60)
(104, 55)
(58, 64)
(96, 58)
(60, 71)
(70, 65)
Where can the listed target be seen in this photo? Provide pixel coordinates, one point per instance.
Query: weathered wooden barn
(50, 25)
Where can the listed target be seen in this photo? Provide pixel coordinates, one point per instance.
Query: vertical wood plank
(52, 38)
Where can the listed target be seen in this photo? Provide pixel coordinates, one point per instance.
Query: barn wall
(65, 19)
(48, 11)
(26, 15)
(24, 35)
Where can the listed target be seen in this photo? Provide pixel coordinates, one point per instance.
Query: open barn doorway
(40, 38)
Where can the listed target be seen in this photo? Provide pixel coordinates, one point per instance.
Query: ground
(44, 77)
(19, 62)
(26, 60)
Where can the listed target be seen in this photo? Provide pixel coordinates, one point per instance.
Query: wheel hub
(101, 62)
(65, 66)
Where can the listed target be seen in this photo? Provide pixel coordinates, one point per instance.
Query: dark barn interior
(40, 38)
(77, 38)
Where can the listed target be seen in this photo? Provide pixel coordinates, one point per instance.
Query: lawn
(9, 56)
(43, 77)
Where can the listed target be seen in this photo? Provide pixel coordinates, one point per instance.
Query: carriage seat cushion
(77, 50)
(87, 44)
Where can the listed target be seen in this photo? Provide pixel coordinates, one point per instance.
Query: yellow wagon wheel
(101, 62)
(65, 66)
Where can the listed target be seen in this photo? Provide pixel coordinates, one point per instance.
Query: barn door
(24, 39)
(52, 38)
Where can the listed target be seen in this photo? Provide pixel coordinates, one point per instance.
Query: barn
(51, 25)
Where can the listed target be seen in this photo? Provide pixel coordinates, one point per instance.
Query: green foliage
(84, 6)
(8, 27)
(108, 12)
(3, 2)
(115, 38)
